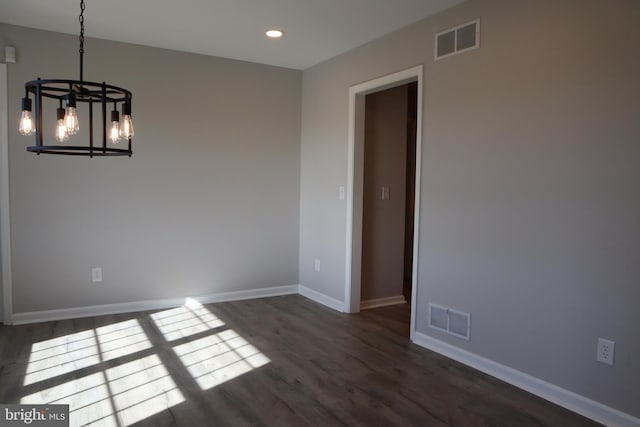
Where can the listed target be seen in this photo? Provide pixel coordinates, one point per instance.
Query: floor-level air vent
(454, 322)
(458, 39)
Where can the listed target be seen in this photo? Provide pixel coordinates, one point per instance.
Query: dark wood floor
(283, 361)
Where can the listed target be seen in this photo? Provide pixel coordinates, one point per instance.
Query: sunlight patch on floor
(88, 399)
(61, 355)
(142, 388)
(190, 319)
(122, 395)
(126, 393)
(218, 358)
(121, 339)
(72, 352)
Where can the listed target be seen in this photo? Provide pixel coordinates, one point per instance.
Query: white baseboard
(562, 397)
(321, 298)
(129, 307)
(382, 302)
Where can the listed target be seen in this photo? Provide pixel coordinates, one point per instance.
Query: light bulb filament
(62, 133)
(26, 121)
(71, 121)
(26, 124)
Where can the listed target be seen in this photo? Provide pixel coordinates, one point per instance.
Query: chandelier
(99, 97)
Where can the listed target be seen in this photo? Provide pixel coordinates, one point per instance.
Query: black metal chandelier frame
(86, 92)
(80, 91)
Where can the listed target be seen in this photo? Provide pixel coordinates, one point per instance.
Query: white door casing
(355, 177)
(6, 308)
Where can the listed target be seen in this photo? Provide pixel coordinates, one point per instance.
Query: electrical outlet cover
(606, 351)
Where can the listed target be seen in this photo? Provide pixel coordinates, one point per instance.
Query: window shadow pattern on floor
(120, 374)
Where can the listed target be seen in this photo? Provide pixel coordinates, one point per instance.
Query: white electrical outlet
(96, 274)
(606, 350)
(316, 265)
(341, 194)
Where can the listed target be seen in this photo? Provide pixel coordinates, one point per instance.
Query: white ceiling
(315, 30)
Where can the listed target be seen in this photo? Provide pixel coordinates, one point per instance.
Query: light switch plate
(96, 274)
(385, 193)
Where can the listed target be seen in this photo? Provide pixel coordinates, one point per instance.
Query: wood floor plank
(282, 361)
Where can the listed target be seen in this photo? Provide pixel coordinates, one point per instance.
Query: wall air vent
(462, 38)
(454, 322)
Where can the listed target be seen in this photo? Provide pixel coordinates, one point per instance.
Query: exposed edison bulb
(71, 121)
(26, 123)
(71, 116)
(126, 129)
(61, 131)
(61, 127)
(114, 132)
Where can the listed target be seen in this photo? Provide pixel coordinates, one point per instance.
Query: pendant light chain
(81, 20)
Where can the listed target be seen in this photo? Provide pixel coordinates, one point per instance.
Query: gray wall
(385, 164)
(208, 202)
(530, 183)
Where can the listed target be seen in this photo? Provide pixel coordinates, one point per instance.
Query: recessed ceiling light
(274, 34)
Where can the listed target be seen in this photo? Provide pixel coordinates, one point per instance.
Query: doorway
(388, 196)
(355, 184)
